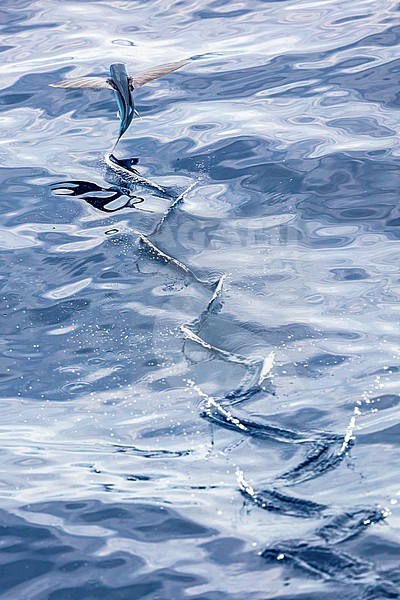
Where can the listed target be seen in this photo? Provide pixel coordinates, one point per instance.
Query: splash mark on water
(324, 562)
(132, 176)
(172, 206)
(275, 501)
(323, 456)
(212, 403)
(267, 367)
(345, 526)
(339, 526)
(349, 438)
(257, 370)
(159, 254)
(229, 356)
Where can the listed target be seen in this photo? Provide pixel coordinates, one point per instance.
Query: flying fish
(123, 85)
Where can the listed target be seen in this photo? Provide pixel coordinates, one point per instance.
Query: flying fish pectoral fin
(94, 83)
(155, 72)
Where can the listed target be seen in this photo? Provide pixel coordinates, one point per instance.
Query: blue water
(200, 388)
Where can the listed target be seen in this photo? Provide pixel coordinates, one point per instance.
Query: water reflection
(107, 199)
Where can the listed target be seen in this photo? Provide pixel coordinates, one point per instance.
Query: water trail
(384, 590)
(348, 525)
(256, 370)
(338, 528)
(252, 382)
(151, 453)
(254, 376)
(322, 561)
(216, 413)
(275, 501)
(325, 451)
(171, 208)
(132, 176)
(227, 415)
(250, 385)
(225, 354)
(213, 307)
(162, 256)
(325, 455)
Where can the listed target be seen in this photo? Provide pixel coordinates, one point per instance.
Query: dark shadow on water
(107, 199)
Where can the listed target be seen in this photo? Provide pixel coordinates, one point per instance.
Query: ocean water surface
(200, 383)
